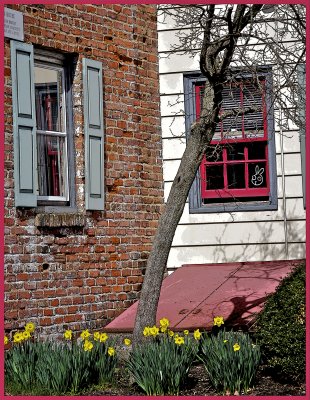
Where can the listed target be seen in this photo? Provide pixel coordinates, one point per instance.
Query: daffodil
(186, 332)
(197, 334)
(103, 337)
(154, 330)
(26, 335)
(6, 340)
(179, 340)
(146, 331)
(111, 351)
(170, 333)
(88, 345)
(236, 347)
(85, 334)
(218, 321)
(96, 336)
(127, 342)
(164, 324)
(68, 334)
(18, 337)
(30, 327)
(225, 340)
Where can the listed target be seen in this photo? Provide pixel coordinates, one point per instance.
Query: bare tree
(227, 37)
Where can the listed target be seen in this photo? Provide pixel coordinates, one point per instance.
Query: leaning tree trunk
(200, 136)
(214, 67)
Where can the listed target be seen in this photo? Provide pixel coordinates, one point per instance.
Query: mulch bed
(199, 385)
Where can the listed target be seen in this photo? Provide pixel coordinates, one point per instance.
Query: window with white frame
(50, 107)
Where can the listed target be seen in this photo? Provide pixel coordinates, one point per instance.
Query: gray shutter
(301, 71)
(24, 124)
(94, 135)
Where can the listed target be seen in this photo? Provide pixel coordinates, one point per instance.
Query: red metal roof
(195, 293)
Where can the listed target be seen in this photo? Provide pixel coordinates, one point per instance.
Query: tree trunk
(200, 136)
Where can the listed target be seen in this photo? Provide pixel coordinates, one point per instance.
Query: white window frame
(44, 61)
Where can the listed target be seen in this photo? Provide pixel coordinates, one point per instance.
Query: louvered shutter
(24, 124)
(301, 71)
(94, 135)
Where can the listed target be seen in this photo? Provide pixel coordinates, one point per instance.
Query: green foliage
(231, 360)
(20, 364)
(281, 328)
(160, 366)
(46, 368)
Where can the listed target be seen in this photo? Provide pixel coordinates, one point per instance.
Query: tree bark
(199, 138)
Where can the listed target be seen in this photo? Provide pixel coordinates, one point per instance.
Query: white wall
(237, 236)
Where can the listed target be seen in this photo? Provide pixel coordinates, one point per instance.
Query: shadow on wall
(260, 241)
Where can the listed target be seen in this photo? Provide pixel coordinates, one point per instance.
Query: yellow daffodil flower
(218, 321)
(146, 331)
(68, 334)
(88, 345)
(236, 347)
(30, 327)
(6, 340)
(96, 336)
(154, 330)
(103, 337)
(111, 351)
(85, 334)
(197, 334)
(170, 333)
(186, 332)
(179, 340)
(225, 340)
(18, 337)
(26, 335)
(164, 322)
(127, 342)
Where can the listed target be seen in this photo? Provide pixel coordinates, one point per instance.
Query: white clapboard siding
(230, 233)
(236, 236)
(173, 148)
(290, 142)
(225, 253)
(173, 126)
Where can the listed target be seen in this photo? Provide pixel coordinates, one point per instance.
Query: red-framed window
(235, 165)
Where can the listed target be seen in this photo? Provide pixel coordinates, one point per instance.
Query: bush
(161, 366)
(281, 328)
(46, 368)
(231, 360)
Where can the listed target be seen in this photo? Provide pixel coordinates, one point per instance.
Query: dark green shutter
(301, 70)
(24, 124)
(94, 142)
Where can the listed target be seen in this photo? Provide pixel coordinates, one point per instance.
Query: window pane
(256, 151)
(253, 121)
(235, 176)
(214, 153)
(257, 175)
(215, 177)
(48, 96)
(52, 180)
(232, 126)
(235, 152)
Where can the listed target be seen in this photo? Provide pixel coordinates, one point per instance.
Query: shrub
(281, 328)
(231, 360)
(59, 368)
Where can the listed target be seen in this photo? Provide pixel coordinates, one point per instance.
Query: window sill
(59, 220)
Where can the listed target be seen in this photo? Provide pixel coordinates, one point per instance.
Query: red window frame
(229, 142)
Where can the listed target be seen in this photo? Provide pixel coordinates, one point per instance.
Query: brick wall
(85, 269)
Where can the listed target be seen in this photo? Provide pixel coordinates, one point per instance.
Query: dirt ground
(199, 385)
